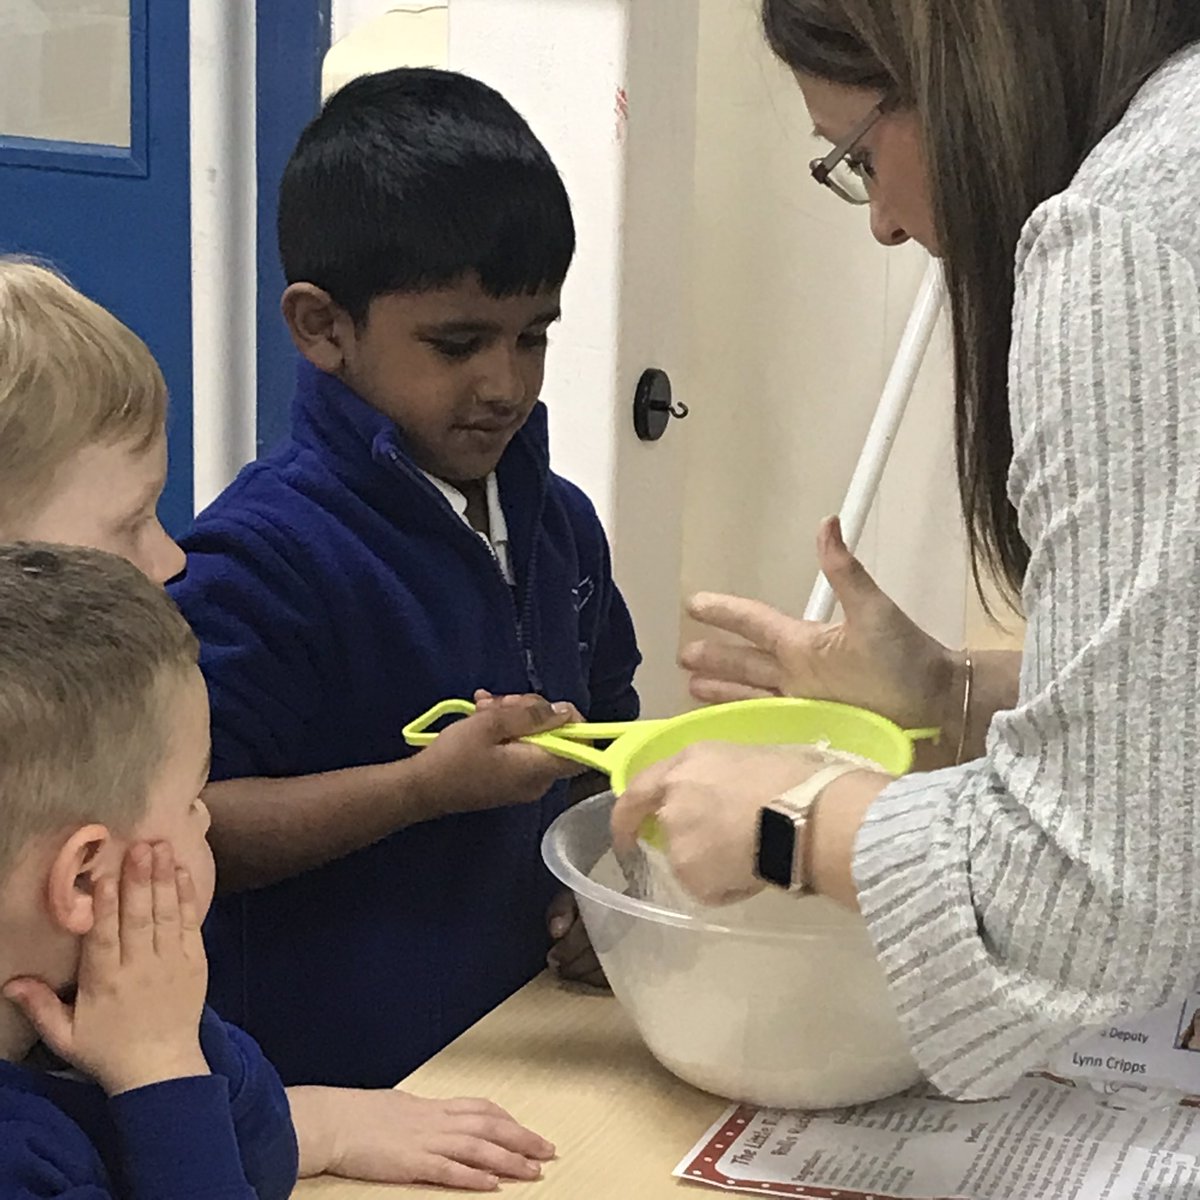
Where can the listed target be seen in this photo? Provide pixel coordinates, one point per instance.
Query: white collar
(497, 525)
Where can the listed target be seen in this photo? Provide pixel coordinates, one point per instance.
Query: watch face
(776, 845)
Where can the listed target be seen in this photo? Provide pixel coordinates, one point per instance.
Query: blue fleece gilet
(337, 596)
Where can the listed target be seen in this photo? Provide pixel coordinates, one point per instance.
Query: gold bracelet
(969, 674)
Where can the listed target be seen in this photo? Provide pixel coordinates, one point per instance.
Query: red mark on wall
(621, 108)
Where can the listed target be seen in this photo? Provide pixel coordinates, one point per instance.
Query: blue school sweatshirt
(337, 596)
(225, 1136)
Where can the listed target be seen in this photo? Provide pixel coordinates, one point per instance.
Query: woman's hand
(707, 801)
(876, 658)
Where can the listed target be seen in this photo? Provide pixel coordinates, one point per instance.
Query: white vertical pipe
(864, 484)
(224, 190)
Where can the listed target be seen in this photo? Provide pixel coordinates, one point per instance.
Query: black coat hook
(654, 406)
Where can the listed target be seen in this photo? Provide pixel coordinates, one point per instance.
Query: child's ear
(82, 859)
(320, 327)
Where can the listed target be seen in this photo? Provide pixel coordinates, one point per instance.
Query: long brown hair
(1011, 96)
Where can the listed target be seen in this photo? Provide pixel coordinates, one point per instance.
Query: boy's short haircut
(71, 376)
(89, 652)
(412, 179)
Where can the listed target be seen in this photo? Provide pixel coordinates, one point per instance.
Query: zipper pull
(531, 670)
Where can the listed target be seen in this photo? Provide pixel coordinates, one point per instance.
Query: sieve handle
(569, 742)
(923, 735)
(421, 733)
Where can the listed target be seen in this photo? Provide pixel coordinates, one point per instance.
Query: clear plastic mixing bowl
(776, 1001)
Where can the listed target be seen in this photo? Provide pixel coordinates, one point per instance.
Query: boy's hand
(564, 708)
(572, 957)
(394, 1137)
(480, 762)
(142, 976)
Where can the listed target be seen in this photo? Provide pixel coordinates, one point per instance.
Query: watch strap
(797, 804)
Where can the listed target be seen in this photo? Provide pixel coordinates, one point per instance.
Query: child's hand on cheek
(393, 1137)
(135, 1020)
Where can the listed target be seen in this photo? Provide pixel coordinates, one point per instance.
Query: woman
(1050, 154)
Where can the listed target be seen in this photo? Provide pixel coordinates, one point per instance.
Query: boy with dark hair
(407, 544)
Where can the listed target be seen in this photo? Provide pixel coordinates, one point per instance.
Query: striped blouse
(1054, 885)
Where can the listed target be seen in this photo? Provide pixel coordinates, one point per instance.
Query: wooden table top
(568, 1063)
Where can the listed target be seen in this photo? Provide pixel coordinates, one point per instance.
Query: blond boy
(83, 408)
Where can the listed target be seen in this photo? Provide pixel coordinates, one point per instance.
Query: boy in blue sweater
(406, 544)
(114, 1078)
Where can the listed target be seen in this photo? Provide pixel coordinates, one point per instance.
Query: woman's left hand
(707, 801)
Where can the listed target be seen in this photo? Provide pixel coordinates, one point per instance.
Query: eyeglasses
(844, 176)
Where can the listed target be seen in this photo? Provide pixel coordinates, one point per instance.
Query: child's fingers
(574, 961)
(503, 722)
(564, 769)
(533, 1145)
(562, 914)
(529, 701)
(486, 1155)
(44, 1011)
(165, 893)
(585, 969)
(519, 700)
(189, 914)
(444, 1172)
(505, 1133)
(470, 1105)
(137, 905)
(101, 953)
(573, 957)
(572, 943)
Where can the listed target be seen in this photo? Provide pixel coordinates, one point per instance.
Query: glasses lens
(850, 182)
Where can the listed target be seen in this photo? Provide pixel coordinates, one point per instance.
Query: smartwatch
(783, 831)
